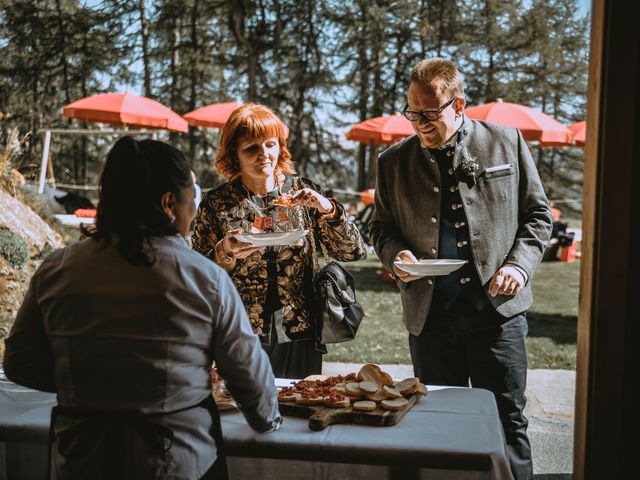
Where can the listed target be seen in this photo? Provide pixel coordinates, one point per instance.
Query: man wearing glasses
(467, 190)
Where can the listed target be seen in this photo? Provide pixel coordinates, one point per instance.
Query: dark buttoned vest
(454, 239)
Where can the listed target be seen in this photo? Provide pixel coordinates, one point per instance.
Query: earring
(172, 218)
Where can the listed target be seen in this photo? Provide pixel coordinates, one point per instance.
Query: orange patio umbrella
(535, 125)
(214, 115)
(366, 196)
(125, 109)
(579, 131)
(380, 130)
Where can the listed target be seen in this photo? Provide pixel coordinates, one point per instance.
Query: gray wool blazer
(508, 213)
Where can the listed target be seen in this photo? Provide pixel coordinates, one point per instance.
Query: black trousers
(462, 346)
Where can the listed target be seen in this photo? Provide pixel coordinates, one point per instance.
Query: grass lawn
(382, 337)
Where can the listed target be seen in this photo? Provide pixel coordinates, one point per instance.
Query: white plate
(271, 238)
(431, 268)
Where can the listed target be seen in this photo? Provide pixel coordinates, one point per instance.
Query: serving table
(452, 433)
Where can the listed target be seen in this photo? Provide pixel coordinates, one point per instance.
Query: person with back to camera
(263, 194)
(124, 326)
(469, 190)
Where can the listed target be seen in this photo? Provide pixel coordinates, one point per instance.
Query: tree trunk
(237, 21)
(175, 60)
(363, 98)
(63, 52)
(144, 34)
(194, 77)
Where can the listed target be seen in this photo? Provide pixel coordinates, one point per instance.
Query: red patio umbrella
(381, 130)
(579, 131)
(214, 115)
(535, 125)
(366, 196)
(125, 109)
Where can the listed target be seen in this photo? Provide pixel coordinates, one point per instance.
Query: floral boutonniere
(468, 166)
(469, 163)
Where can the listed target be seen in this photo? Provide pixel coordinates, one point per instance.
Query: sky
(584, 6)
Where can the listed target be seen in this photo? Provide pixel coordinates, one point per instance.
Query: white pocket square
(498, 168)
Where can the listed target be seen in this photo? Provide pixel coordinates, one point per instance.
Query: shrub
(13, 248)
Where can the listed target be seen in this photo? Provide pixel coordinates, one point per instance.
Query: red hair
(250, 120)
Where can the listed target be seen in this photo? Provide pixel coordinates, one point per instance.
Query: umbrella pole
(44, 162)
(539, 156)
(362, 156)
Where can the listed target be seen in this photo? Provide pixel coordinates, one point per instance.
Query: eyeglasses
(425, 115)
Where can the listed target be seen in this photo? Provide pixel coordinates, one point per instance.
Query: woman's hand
(233, 248)
(312, 199)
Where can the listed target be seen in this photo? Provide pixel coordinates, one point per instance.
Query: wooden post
(45, 161)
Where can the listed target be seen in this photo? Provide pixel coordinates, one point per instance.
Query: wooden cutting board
(321, 417)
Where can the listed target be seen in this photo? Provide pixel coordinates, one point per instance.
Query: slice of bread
(369, 387)
(386, 379)
(316, 378)
(342, 403)
(341, 388)
(365, 405)
(391, 392)
(288, 396)
(377, 396)
(353, 389)
(408, 386)
(422, 389)
(398, 404)
(370, 373)
(310, 400)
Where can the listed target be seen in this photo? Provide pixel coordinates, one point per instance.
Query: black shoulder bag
(336, 311)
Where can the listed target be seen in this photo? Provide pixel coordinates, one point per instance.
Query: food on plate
(263, 223)
(365, 405)
(283, 200)
(398, 404)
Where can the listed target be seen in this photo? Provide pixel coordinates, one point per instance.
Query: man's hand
(405, 256)
(506, 281)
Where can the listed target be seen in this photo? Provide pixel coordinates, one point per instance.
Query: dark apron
(158, 438)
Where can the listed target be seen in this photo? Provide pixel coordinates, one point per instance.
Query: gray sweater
(506, 207)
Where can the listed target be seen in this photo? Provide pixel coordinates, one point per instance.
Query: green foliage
(13, 248)
(321, 65)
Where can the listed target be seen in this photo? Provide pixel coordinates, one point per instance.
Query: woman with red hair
(264, 194)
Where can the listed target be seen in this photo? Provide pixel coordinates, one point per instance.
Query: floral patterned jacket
(228, 206)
